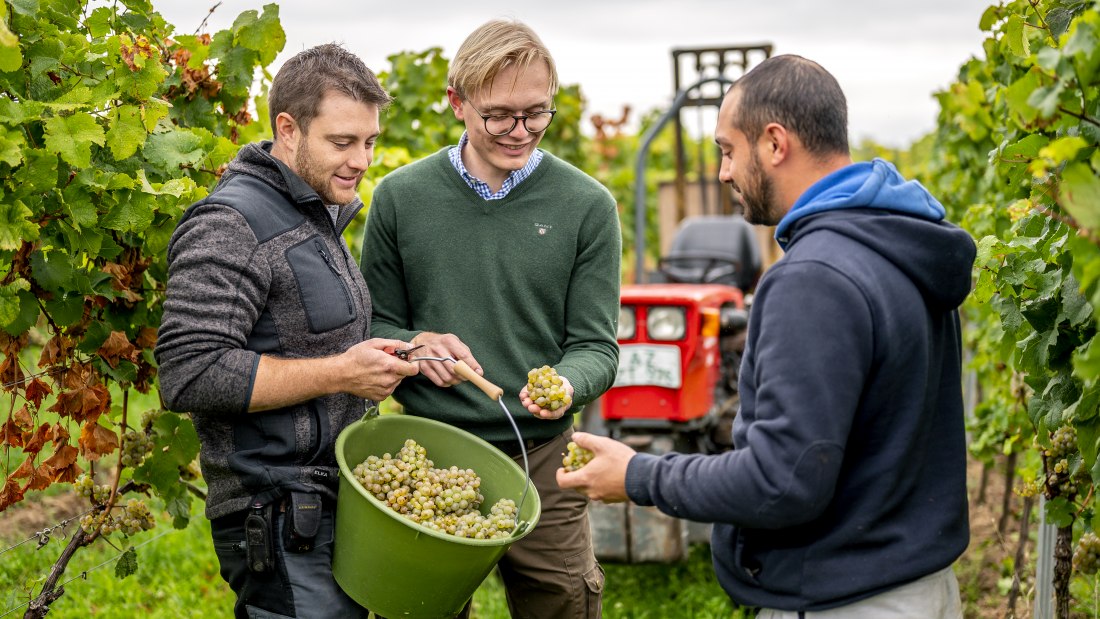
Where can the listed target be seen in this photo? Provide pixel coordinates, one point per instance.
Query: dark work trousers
(298, 585)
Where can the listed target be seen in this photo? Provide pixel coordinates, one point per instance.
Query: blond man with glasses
(500, 254)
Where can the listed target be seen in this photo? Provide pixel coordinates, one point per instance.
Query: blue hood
(874, 184)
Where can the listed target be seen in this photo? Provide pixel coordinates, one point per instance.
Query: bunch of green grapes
(135, 447)
(1063, 442)
(190, 472)
(446, 500)
(576, 457)
(1086, 557)
(134, 517)
(85, 486)
(546, 388)
(148, 418)
(1063, 446)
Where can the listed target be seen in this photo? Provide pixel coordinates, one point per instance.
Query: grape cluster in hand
(547, 389)
(444, 500)
(576, 457)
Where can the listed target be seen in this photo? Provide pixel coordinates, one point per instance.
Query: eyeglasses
(503, 124)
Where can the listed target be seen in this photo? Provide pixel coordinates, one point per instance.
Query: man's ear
(775, 143)
(456, 102)
(287, 131)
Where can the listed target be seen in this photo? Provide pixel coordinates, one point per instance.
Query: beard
(314, 174)
(758, 195)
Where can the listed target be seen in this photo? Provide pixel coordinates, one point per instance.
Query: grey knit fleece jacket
(258, 267)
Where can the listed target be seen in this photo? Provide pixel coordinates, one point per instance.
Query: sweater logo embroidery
(543, 228)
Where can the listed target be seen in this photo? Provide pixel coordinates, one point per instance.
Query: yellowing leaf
(7, 37)
(152, 111)
(1063, 149)
(1080, 195)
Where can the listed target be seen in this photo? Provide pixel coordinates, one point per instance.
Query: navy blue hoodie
(849, 472)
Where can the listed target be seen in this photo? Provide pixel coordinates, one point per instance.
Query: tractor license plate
(646, 364)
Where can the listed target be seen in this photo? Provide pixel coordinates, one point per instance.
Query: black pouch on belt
(301, 521)
(258, 542)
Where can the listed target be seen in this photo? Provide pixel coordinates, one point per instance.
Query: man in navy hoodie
(845, 495)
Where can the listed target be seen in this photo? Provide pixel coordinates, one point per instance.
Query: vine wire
(43, 536)
(84, 574)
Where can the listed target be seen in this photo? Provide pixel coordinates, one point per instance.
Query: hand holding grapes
(547, 394)
(603, 477)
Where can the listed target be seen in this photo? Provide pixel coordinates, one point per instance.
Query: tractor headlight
(666, 323)
(627, 325)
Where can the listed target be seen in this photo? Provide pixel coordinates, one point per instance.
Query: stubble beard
(315, 177)
(758, 196)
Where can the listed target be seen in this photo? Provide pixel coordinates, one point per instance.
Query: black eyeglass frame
(515, 120)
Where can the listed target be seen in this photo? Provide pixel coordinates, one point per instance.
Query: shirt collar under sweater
(515, 177)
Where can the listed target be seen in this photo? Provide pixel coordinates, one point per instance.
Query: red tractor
(680, 344)
(680, 341)
(681, 333)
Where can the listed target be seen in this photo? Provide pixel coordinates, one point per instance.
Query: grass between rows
(177, 576)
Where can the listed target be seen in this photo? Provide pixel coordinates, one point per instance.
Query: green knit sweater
(525, 281)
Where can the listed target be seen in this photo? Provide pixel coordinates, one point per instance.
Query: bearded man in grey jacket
(265, 338)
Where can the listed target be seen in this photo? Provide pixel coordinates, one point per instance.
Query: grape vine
(110, 125)
(1015, 159)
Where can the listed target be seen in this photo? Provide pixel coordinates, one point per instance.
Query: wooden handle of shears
(469, 374)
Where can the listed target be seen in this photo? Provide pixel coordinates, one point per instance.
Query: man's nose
(361, 158)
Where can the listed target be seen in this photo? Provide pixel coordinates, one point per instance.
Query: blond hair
(493, 47)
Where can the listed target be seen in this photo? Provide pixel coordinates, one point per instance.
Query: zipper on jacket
(332, 267)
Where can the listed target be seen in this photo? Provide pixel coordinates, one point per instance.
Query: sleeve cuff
(639, 472)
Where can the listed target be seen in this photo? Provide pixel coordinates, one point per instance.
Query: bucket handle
(495, 393)
(372, 412)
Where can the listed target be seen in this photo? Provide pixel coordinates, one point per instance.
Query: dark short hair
(304, 80)
(798, 94)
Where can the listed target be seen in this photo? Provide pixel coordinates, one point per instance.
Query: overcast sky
(890, 56)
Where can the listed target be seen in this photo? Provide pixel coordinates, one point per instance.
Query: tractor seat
(713, 249)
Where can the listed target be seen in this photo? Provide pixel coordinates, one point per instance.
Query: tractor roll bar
(640, 210)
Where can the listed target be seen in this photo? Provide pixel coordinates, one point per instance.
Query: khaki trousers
(552, 572)
(935, 596)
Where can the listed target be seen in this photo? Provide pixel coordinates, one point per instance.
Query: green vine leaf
(126, 564)
(51, 270)
(1016, 36)
(14, 225)
(174, 149)
(72, 137)
(132, 213)
(127, 132)
(1058, 20)
(261, 33)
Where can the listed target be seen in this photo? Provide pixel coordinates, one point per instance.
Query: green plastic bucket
(396, 567)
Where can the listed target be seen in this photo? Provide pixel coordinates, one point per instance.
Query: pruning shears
(404, 353)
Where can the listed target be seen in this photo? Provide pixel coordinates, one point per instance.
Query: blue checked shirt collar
(515, 177)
